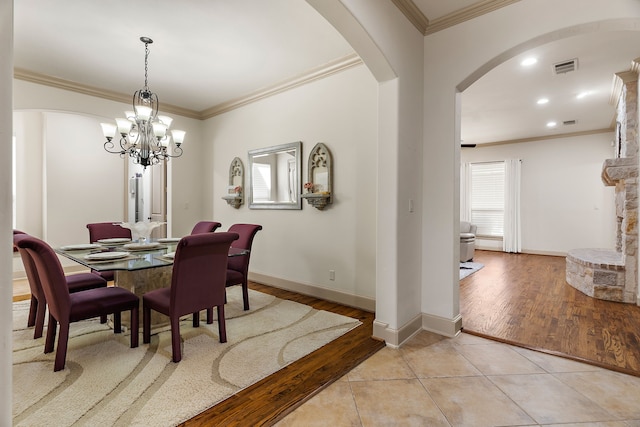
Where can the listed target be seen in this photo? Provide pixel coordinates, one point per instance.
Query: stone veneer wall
(606, 273)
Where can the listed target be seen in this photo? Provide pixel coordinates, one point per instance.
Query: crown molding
(43, 79)
(546, 137)
(426, 26)
(325, 70)
(320, 72)
(413, 14)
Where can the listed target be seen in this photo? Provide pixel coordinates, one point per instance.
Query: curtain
(465, 192)
(512, 240)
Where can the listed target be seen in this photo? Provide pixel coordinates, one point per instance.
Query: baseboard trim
(363, 303)
(440, 325)
(524, 251)
(394, 338)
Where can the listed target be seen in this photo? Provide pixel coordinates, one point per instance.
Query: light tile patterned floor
(470, 381)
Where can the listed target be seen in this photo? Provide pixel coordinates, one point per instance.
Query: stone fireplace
(611, 274)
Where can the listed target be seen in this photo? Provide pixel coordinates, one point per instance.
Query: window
(261, 176)
(487, 198)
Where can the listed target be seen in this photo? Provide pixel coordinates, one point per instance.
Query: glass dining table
(138, 267)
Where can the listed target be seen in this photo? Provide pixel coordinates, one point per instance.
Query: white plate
(80, 247)
(101, 256)
(141, 246)
(115, 240)
(171, 255)
(169, 240)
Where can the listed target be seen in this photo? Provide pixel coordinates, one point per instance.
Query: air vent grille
(569, 122)
(565, 66)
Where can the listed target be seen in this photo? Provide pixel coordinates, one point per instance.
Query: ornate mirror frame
(235, 190)
(319, 185)
(274, 177)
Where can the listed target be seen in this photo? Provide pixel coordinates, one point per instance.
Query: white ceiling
(208, 52)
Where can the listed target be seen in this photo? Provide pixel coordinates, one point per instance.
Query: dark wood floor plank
(525, 300)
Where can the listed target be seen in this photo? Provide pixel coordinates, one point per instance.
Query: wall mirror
(235, 190)
(274, 177)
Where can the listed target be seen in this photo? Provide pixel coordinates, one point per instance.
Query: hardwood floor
(524, 300)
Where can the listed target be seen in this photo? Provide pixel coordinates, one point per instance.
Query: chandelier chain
(146, 65)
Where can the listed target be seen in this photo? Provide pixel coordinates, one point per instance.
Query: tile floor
(470, 381)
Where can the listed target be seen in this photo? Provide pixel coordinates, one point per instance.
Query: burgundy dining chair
(37, 308)
(106, 230)
(238, 268)
(205, 227)
(197, 283)
(66, 307)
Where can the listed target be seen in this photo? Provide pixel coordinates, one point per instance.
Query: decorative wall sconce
(235, 190)
(319, 177)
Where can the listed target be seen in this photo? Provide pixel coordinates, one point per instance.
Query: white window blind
(261, 176)
(487, 198)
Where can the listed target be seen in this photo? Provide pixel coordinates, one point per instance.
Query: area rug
(107, 383)
(468, 268)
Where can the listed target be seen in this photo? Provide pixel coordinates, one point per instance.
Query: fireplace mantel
(616, 170)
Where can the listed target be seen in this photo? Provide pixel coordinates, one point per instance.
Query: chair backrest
(51, 275)
(467, 227)
(29, 267)
(246, 232)
(199, 272)
(15, 248)
(205, 227)
(106, 230)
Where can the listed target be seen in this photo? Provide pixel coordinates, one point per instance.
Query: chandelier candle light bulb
(143, 133)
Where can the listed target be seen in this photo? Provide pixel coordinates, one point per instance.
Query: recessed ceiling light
(527, 62)
(551, 124)
(542, 101)
(584, 94)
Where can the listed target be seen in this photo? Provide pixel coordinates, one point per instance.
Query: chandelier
(143, 133)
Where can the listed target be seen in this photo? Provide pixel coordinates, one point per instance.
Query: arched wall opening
(596, 27)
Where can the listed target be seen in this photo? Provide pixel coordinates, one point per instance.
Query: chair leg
(40, 315)
(245, 295)
(103, 318)
(175, 339)
(135, 325)
(61, 352)
(117, 322)
(209, 315)
(146, 323)
(222, 325)
(51, 334)
(196, 319)
(33, 308)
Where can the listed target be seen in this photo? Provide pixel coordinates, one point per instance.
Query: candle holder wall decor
(319, 177)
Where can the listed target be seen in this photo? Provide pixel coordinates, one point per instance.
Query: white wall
(301, 246)
(83, 183)
(6, 311)
(564, 204)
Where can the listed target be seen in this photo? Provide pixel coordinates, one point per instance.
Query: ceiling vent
(569, 122)
(565, 66)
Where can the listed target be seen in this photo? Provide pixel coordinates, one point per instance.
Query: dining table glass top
(123, 254)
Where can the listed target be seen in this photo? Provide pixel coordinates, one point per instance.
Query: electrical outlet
(332, 275)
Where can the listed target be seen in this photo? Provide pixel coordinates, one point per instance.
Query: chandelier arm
(109, 146)
(177, 150)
